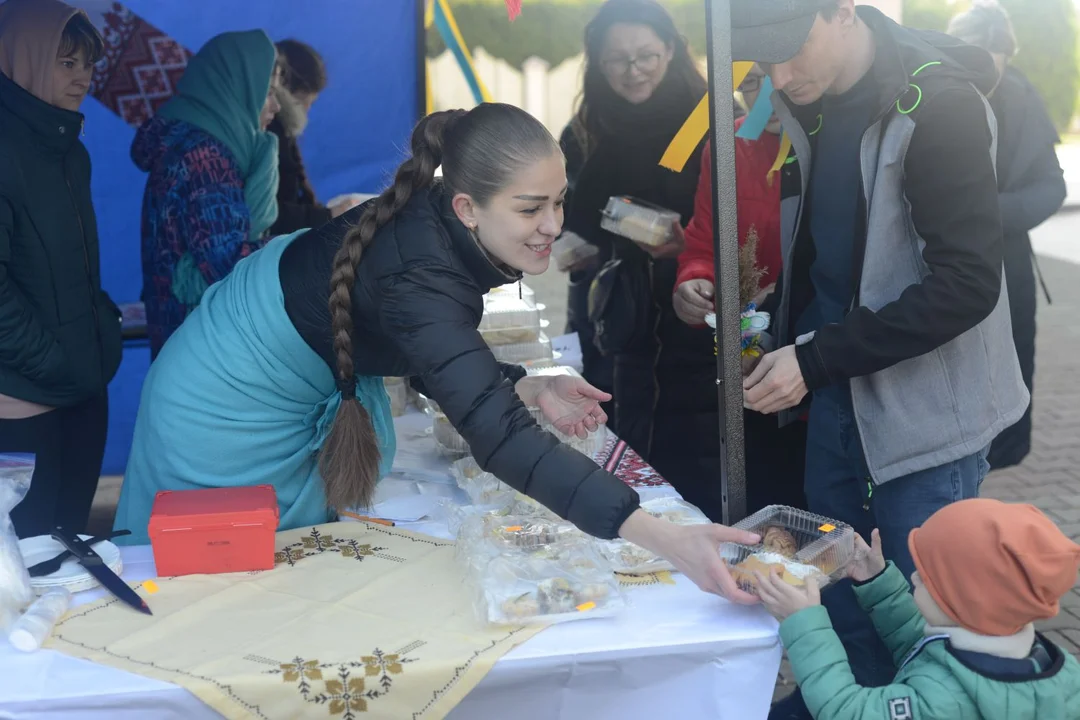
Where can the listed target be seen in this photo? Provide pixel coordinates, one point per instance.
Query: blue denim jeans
(838, 486)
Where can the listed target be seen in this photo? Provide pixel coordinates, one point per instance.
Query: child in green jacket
(964, 641)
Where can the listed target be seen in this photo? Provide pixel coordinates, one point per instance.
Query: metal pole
(726, 247)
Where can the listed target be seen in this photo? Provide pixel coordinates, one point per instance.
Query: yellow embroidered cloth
(355, 621)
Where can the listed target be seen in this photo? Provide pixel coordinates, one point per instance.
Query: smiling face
(519, 224)
(635, 61)
(71, 79)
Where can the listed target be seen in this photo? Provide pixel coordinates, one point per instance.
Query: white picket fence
(549, 93)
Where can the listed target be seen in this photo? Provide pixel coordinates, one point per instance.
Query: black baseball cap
(772, 31)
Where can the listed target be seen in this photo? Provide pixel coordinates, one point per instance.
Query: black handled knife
(97, 567)
(48, 567)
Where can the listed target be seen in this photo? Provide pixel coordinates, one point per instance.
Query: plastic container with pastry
(511, 335)
(563, 580)
(571, 251)
(522, 353)
(518, 290)
(508, 311)
(630, 559)
(639, 220)
(797, 544)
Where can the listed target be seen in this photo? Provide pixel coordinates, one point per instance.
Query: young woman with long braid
(277, 376)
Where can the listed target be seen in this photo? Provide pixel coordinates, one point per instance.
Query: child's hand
(868, 562)
(784, 600)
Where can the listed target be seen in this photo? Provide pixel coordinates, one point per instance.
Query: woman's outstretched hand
(572, 405)
(694, 550)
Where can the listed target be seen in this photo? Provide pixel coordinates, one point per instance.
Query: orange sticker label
(827, 528)
(514, 528)
(150, 586)
(586, 606)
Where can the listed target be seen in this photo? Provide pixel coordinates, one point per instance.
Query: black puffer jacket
(416, 305)
(60, 338)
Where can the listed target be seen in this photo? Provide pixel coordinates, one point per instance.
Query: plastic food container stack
(630, 559)
(799, 545)
(518, 290)
(638, 220)
(525, 353)
(509, 320)
(524, 570)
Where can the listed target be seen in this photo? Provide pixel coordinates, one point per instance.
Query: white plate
(71, 574)
(710, 320)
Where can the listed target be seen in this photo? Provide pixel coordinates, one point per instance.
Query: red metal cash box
(218, 530)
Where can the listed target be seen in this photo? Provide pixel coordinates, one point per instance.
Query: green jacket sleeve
(828, 686)
(26, 346)
(888, 601)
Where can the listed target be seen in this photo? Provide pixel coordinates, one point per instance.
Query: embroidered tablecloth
(355, 621)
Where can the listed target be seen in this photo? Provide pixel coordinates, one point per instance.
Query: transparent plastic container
(511, 336)
(639, 220)
(522, 353)
(553, 370)
(508, 311)
(398, 390)
(799, 545)
(631, 559)
(525, 570)
(447, 438)
(588, 446)
(518, 290)
(483, 488)
(571, 251)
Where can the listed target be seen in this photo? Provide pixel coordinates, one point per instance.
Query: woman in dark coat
(1032, 189)
(640, 86)
(59, 332)
(393, 288)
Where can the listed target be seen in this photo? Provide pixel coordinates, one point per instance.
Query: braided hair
(480, 152)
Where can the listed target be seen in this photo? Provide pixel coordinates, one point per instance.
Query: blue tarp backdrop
(357, 135)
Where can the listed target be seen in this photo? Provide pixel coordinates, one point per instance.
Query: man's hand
(869, 561)
(776, 383)
(693, 300)
(783, 600)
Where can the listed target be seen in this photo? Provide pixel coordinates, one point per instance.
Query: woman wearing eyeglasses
(640, 86)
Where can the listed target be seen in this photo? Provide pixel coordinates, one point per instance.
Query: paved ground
(1049, 479)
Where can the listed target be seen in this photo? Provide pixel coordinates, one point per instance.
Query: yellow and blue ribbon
(438, 14)
(697, 126)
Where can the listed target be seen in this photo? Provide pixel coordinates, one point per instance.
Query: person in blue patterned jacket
(213, 175)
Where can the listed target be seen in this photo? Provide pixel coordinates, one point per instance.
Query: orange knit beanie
(994, 567)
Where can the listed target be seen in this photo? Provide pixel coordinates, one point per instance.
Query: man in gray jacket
(890, 314)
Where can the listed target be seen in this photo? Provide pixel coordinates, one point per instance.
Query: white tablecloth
(676, 652)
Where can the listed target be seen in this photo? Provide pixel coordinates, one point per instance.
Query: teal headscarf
(223, 91)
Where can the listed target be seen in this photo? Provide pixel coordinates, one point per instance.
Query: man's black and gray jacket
(926, 343)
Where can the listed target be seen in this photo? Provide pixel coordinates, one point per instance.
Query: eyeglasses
(752, 83)
(646, 63)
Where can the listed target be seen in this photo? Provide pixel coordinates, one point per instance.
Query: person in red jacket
(775, 457)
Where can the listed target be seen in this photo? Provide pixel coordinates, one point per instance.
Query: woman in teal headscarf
(211, 192)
